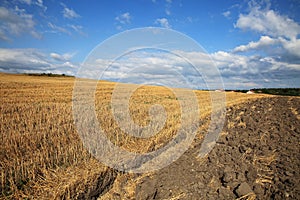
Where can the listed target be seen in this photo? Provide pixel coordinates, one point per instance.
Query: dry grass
(294, 110)
(40, 151)
(264, 172)
(249, 196)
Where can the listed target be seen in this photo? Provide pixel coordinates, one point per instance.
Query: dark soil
(99, 186)
(257, 156)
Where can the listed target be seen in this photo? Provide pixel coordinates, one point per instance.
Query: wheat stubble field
(42, 156)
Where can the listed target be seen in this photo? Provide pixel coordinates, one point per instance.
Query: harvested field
(42, 156)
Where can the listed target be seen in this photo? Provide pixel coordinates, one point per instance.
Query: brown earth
(256, 157)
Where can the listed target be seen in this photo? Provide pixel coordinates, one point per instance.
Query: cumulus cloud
(16, 22)
(172, 69)
(147, 67)
(292, 47)
(31, 60)
(280, 39)
(268, 22)
(22, 59)
(273, 59)
(276, 47)
(164, 68)
(163, 22)
(264, 41)
(256, 69)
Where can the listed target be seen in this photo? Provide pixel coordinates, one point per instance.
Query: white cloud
(70, 13)
(237, 71)
(291, 46)
(170, 69)
(16, 22)
(264, 41)
(280, 38)
(268, 22)
(41, 4)
(226, 14)
(68, 29)
(32, 60)
(26, 1)
(119, 27)
(274, 47)
(3, 36)
(78, 29)
(124, 18)
(59, 29)
(68, 64)
(62, 58)
(255, 69)
(279, 64)
(35, 2)
(168, 12)
(147, 67)
(21, 59)
(163, 22)
(168, 7)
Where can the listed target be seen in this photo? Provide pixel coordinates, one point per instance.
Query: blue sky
(252, 43)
